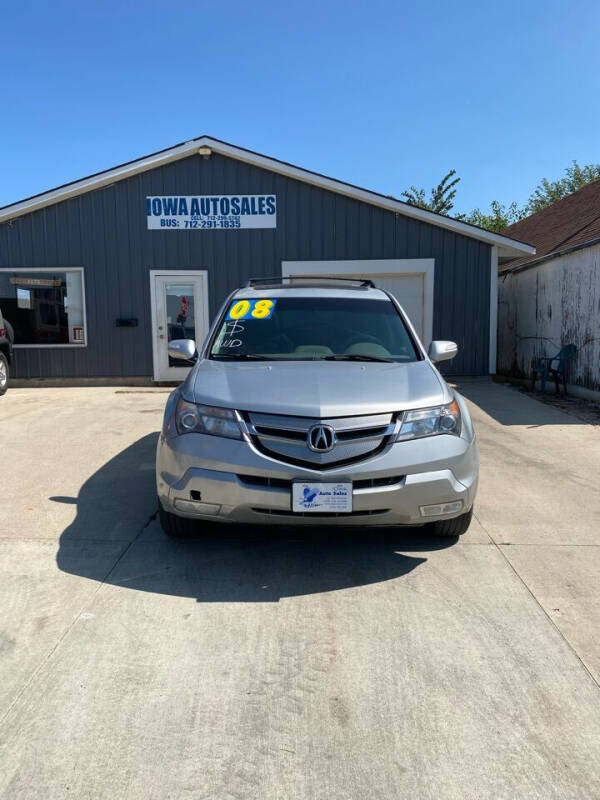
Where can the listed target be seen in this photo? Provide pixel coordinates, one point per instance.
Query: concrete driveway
(339, 666)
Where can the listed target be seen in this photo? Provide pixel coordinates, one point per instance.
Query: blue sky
(380, 94)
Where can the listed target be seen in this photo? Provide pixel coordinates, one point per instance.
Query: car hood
(316, 388)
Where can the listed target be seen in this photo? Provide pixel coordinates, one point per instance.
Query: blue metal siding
(105, 232)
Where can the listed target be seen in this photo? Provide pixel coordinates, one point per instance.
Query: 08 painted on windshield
(313, 329)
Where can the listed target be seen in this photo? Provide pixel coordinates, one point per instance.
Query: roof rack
(360, 283)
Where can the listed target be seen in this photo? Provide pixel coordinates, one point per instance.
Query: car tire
(9, 331)
(4, 373)
(453, 527)
(177, 527)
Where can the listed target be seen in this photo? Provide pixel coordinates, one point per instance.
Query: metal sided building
(97, 275)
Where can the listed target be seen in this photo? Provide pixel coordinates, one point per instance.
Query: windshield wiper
(356, 357)
(258, 357)
(242, 357)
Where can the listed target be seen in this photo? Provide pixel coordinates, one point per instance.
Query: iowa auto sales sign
(215, 211)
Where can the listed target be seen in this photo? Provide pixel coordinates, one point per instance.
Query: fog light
(193, 507)
(441, 508)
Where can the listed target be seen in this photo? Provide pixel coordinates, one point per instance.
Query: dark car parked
(6, 342)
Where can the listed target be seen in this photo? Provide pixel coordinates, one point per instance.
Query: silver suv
(313, 402)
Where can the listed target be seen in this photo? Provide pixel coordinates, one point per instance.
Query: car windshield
(304, 328)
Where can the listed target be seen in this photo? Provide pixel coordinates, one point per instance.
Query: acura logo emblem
(321, 438)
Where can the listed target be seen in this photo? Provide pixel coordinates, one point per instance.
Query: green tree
(499, 217)
(442, 196)
(548, 192)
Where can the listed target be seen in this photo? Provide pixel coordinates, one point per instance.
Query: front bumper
(228, 480)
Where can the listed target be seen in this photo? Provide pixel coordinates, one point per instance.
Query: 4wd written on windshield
(211, 211)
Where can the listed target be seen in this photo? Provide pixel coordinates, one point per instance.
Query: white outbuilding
(552, 299)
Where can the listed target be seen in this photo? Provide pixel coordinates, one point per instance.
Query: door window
(180, 308)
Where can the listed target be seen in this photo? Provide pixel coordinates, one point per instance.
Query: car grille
(261, 481)
(276, 512)
(285, 438)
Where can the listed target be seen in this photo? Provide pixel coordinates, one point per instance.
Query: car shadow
(115, 538)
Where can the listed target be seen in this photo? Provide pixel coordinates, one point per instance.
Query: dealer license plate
(322, 497)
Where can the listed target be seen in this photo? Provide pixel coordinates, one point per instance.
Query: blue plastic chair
(556, 366)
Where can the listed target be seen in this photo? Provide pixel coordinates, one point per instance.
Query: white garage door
(409, 280)
(409, 292)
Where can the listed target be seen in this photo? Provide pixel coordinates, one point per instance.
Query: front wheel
(177, 527)
(453, 527)
(4, 371)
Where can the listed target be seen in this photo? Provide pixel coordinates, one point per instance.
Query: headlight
(431, 422)
(193, 418)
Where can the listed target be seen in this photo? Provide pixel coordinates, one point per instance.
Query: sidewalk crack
(537, 602)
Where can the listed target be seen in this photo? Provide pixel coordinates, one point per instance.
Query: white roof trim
(508, 247)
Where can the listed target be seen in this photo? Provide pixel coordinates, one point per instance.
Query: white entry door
(179, 311)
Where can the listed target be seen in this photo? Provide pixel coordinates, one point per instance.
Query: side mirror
(183, 349)
(442, 351)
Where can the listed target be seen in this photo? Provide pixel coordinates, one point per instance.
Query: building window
(44, 306)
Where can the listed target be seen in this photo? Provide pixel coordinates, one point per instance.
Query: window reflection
(181, 322)
(43, 307)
